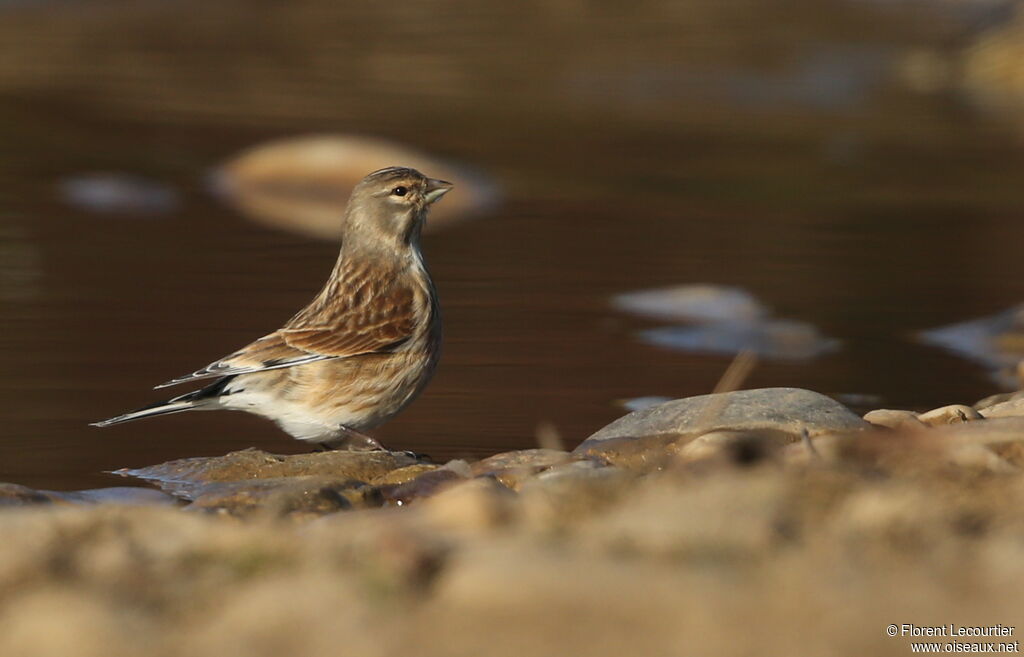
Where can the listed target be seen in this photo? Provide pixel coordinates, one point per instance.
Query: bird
(360, 351)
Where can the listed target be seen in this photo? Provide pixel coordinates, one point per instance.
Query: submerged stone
(303, 183)
(118, 193)
(996, 342)
(693, 303)
(783, 339)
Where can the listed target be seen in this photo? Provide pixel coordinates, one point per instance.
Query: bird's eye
(399, 191)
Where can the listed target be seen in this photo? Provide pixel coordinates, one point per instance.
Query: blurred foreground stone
(543, 552)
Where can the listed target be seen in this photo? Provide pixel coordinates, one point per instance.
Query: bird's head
(388, 206)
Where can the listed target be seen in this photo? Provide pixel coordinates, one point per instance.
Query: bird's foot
(350, 439)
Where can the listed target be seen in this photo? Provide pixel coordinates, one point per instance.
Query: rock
(990, 432)
(894, 419)
(571, 491)
(952, 414)
(16, 495)
(1002, 437)
(180, 478)
(536, 459)
(740, 447)
(999, 398)
(424, 485)
(645, 439)
(128, 495)
(693, 303)
(826, 448)
(303, 183)
(575, 470)
(403, 475)
(268, 619)
(68, 621)
(1013, 407)
(287, 496)
(513, 468)
(980, 457)
(783, 339)
(733, 515)
(118, 193)
(470, 506)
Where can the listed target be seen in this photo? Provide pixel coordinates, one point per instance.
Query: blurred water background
(855, 165)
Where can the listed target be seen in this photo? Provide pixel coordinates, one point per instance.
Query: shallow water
(634, 151)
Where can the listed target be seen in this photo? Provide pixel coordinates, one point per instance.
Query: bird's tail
(186, 402)
(159, 408)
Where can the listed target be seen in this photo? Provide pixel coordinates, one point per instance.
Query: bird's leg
(355, 440)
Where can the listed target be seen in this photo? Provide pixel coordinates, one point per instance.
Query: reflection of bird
(301, 184)
(361, 350)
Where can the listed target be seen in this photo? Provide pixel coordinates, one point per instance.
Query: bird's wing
(333, 326)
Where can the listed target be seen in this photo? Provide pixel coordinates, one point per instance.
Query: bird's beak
(436, 189)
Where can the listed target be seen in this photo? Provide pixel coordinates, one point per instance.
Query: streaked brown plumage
(361, 350)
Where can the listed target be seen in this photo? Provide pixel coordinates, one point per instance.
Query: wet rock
(535, 459)
(952, 414)
(693, 303)
(118, 193)
(424, 485)
(783, 339)
(575, 470)
(129, 495)
(303, 184)
(645, 439)
(403, 475)
(894, 419)
(513, 468)
(635, 453)
(302, 496)
(16, 495)
(181, 478)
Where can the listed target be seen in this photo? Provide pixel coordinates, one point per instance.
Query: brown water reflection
(763, 145)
